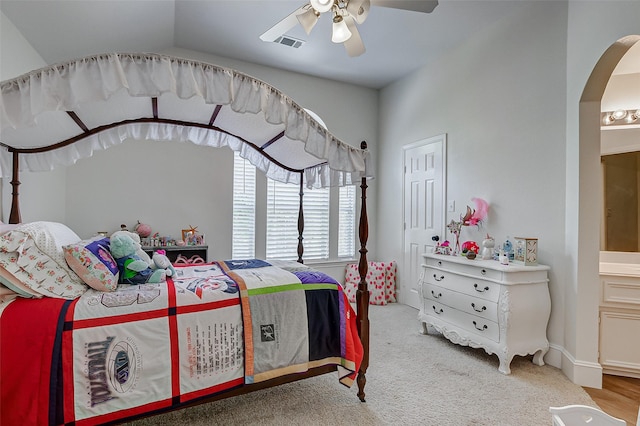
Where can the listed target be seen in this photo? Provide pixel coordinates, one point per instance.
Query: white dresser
(503, 309)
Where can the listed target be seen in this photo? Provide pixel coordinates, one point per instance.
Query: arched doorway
(590, 200)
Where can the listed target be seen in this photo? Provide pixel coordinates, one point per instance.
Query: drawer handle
(483, 272)
(437, 296)
(473, 305)
(480, 290)
(437, 311)
(484, 327)
(439, 263)
(435, 277)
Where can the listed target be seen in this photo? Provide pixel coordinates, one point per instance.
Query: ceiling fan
(345, 15)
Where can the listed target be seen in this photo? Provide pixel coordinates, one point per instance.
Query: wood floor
(619, 397)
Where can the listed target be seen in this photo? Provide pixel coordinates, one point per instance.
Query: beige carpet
(412, 380)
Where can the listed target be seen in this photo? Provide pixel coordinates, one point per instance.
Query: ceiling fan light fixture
(341, 32)
(359, 9)
(619, 114)
(321, 6)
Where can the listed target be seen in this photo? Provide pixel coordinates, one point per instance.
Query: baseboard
(623, 373)
(582, 373)
(554, 356)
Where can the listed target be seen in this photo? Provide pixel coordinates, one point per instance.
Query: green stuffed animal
(140, 252)
(133, 269)
(161, 261)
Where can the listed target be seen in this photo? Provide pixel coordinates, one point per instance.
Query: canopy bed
(59, 114)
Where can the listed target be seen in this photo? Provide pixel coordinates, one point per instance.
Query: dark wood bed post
(14, 216)
(362, 294)
(300, 221)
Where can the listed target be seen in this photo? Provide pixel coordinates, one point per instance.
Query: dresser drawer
(471, 269)
(474, 287)
(483, 308)
(472, 323)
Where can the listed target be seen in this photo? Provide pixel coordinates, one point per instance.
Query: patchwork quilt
(109, 356)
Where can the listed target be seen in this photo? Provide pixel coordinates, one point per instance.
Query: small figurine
(503, 257)
(487, 247)
(508, 248)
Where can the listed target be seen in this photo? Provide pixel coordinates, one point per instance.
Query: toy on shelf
(487, 247)
(191, 237)
(142, 229)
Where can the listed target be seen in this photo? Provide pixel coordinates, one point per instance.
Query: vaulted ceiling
(397, 41)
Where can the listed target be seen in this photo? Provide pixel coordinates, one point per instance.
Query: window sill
(330, 263)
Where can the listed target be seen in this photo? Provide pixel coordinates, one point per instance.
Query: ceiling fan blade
(284, 25)
(359, 9)
(425, 6)
(354, 45)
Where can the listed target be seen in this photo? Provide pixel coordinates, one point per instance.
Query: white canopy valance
(100, 101)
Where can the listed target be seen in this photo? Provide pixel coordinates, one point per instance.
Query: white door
(424, 209)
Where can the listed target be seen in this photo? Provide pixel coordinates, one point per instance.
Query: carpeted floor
(412, 379)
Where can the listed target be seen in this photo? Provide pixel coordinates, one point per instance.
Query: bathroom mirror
(621, 180)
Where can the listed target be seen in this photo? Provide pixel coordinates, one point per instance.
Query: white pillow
(50, 238)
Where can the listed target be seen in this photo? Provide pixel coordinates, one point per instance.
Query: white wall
(500, 99)
(508, 100)
(42, 194)
(593, 27)
(168, 185)
(18, 57)
(623, 92)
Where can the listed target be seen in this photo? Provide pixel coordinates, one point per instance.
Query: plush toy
(133, 269)
(142, 229)
(161, 261)
(141, 253)
(468, 246)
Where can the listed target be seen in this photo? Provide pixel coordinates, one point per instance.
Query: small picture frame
(187, 235)
(526, 251)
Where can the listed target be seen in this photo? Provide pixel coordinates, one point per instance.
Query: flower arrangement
(477, 215)
(471, 217)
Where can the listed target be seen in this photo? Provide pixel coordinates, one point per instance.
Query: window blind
(244, 210)
(324, 238)
(347, 221)
(283, 202)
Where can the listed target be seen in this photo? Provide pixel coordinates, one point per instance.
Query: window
(347, 221)
(324, 238)
(283, 204)
(244, 208)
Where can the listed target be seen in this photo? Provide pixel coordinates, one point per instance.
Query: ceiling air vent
(289, 41)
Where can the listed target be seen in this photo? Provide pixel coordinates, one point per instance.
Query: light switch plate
(451, 205)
